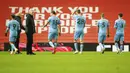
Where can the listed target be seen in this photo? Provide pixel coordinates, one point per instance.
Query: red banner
(91, 9)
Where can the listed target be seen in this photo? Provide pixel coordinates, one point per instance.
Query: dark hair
(120, 14)
(78, 11)
(53, 12)
(102, 14)
(13, 16)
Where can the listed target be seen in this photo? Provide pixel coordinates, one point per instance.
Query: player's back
(13, 26)
(119, 25)
(53, 21)
(103, 25)
(80, 22)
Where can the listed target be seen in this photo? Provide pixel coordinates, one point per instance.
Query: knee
(121, 42)
(75, 41)
(81, 41)
(116, 41)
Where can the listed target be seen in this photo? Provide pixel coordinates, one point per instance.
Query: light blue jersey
(119, 25)
(79, 26)
(53, 29)
(54, 22)
(13, 27)
(80, 22)
(103, 24)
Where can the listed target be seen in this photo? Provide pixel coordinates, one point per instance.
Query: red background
(110, 7)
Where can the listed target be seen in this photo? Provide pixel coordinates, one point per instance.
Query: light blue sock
(12, 47)
(101, 45)
(55, 44)
(116, 44)
(76, 46)
(121, 47)
(81, 47)
(51, 44)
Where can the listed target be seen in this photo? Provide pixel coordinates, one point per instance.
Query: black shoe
(32, 54)
(28, 53)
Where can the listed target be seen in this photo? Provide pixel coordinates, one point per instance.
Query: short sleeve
(49, 19)
(59, 21)
(8, 24)
(98, 22)
(108, 24)
(115, 25)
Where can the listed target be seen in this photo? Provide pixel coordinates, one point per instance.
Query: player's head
(78, 11)
(102, 15)
(31, 11)
(120, 15)
(19, 14)
(53, 13)
(12, 16)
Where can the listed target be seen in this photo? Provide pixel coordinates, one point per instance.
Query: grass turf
(62, 62)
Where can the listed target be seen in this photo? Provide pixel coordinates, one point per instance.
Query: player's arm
(115, 25)
(124, 24)
(46, 24)
(73, 13)
(84, 22)
(59, 29)
(49, 19)
(7, 30)
(97, 25)
(108, 31)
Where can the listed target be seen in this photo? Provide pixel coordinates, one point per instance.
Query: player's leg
(55, 42)
(121, 43)
(76, 36)
(50, 36)
(100, 41)
(12, 41)
(55, 39)
(17, 43)
(81, 42)
(104, 38)
(116, 39)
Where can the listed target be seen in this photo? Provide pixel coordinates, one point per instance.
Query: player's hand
(5, 34)
(108, 35)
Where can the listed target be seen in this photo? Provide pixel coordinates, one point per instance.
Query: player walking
(119, 36)
(103, 29)
(13, 26)
(54, 30)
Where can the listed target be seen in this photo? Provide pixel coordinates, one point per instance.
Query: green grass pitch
(65, 62)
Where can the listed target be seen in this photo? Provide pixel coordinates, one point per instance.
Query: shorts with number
(52, 35)
(78, 34)
(101, 38)
(119, 37)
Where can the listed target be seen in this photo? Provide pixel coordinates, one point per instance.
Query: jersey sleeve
(115, 25)
(8, 24)
(124, 23)
(49, 19)
(59, 21)
(84, 20)
(108, 24)
(98, 23)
